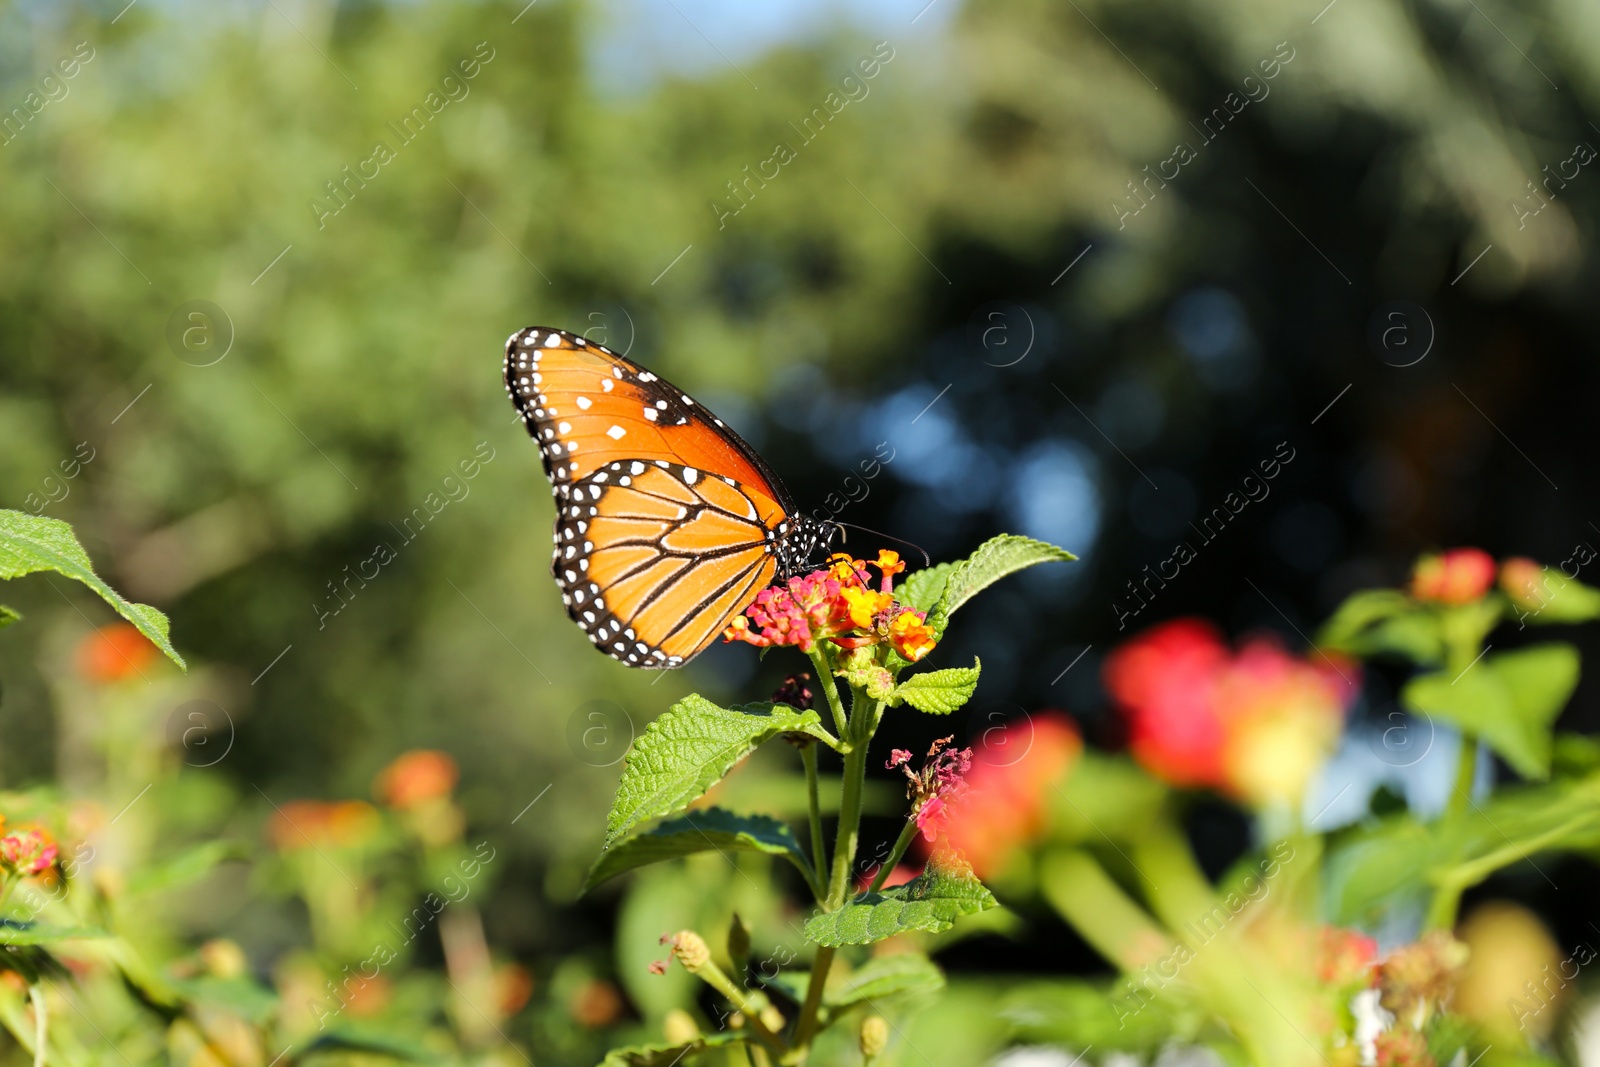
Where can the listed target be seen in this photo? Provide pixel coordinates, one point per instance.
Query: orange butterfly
(667, 523)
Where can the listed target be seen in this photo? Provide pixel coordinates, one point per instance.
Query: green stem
(819, 853)
(863, 723)
(1466, 774)
(824, 669)
(809, 1011)
(903, 842)
(713, 976)
(41, 1025)
(1078, 887)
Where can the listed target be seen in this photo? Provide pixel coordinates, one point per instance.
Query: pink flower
(28, 851)
(897, 757)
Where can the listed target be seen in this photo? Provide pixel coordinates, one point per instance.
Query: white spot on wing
(616, 433)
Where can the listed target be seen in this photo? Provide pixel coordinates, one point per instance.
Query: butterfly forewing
(667, 523)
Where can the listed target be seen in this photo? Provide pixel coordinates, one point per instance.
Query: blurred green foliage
(179, 163)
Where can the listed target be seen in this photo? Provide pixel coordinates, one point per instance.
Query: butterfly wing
(654, 558)
(667, 523)
(588, 406)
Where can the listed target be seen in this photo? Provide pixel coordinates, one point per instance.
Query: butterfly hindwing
(654, 558)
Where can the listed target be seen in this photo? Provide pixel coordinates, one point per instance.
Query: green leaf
(32, 543)
(1509, 699)
(931, 902)
(186, 866)
(1121, 1016)
(922, 589)
(1564, 601)
(700, 831)
(886, 976)
(13, 932)
(688, 749)
(994, 559)
(1383, 621)
(937, 692)
(1376, 866)
(8, 616)
(668, 1055)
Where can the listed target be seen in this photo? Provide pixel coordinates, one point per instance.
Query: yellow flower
(865, 605)
(910, 637)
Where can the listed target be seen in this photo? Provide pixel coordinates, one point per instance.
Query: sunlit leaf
(995, 559)
(688, 749)
(33, 543)
(938, 692)
(931, 902)
(712, 829)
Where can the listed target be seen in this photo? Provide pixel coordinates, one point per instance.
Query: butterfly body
(667, 522)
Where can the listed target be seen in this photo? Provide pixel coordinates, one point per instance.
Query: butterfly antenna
(926, 560)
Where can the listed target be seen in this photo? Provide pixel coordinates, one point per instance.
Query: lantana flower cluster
(27, 851)
(840, 604)
(1255, 724)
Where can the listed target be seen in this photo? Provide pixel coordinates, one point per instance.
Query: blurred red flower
(114, 653)
(30, 851)
(416, 777)
(1014, 768)
(1255, 724)
(1458, 576)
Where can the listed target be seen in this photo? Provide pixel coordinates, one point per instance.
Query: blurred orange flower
(596, 1004)
(1014, 768)
(368, 996)
(1255, 724)
(114, 653)
(1458, 576)
(314, 823)
(513, 987)
(416, 777)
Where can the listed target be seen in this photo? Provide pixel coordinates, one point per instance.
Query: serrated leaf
(8, 616)
(668, 1055)
(886, 976)
(938, 692)
(994, 559)
(712, 829)
(922, 589)
(13, 932)
(1509, 699)
(931, 902)
(33, 543)
(688, 750)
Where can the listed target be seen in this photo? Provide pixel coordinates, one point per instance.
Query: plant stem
(865, 713)
(807, 1026)
(824, 669)
(41, 1025)
(1466, 774)
(819, 850)
(713, 976)
(903, 842)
